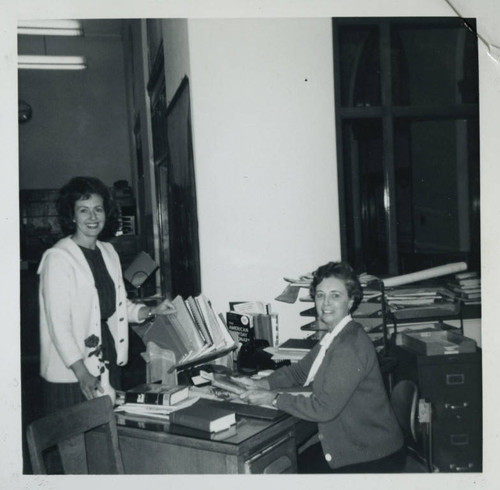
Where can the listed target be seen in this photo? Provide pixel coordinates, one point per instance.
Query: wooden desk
(252, 446)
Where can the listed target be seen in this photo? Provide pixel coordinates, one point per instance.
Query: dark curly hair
(81, 188)
(343, 271)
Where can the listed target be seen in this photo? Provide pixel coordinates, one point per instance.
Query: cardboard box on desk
(159, 362)
(437, 343)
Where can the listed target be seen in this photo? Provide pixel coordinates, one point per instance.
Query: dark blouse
(107, 303)
(103, 282)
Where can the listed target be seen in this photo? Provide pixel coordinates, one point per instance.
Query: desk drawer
(278, 457)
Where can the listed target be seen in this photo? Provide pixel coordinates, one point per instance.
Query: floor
(414, 466)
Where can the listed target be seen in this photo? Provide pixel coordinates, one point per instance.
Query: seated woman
(358, 431)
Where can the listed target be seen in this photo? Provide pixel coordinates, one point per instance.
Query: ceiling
(92, 28)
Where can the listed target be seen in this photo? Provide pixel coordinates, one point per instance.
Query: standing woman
(357, 429)
(84, 311)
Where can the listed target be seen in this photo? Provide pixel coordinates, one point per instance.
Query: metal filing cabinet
(453, 385)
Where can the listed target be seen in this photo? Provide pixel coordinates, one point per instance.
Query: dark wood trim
(388, 148)
(340, 145)
(157, 70)
(425, 112)
(416, 22)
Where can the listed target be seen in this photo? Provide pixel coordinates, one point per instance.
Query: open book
(194, 333)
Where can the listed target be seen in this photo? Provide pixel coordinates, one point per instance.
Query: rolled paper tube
(442, 270)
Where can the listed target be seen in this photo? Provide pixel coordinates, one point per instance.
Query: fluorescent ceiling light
(50, 27)
(39, 62)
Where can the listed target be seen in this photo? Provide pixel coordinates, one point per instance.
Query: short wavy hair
(344, 272)
(82, 188)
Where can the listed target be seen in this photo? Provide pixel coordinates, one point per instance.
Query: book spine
(196, 322)
(211, 321)
(263, 327)
(145, 398)
(200, 320)
(186, 323)
(194, 422)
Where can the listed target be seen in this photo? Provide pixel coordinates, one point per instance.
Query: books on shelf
(253, 325)
(156, 394)
(193, 332)
(205, 417)
(465, 286)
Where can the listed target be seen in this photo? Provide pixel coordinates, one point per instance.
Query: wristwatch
(274, 403)
(151, 316)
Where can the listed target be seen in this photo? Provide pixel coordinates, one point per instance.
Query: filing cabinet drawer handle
(462, 468)
(456, 407)
(459, 439)
(455, 379)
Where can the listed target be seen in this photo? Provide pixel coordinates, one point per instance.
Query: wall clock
(25, 111)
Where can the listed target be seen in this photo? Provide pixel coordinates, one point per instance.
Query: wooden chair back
(85, 436)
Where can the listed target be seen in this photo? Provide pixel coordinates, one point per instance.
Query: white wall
(264, 144)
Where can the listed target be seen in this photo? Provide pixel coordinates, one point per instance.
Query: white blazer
(70, 313)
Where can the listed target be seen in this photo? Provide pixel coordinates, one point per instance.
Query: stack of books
(154, 400)
(156, 394)
(465, 286)
(252, 320)
(292, 350)
(412, 296)
(192, 333)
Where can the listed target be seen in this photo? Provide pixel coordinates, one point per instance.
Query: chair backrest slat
(65, 429)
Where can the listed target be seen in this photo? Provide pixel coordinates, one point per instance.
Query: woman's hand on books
(164, 308)
(258, 397)
(251, 384)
